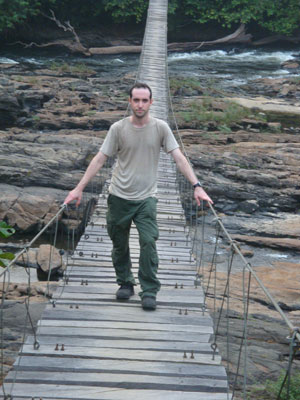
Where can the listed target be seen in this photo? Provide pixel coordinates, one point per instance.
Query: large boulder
(28, 209)
(10, 109)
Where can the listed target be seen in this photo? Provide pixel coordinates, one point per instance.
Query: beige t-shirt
(135, 173)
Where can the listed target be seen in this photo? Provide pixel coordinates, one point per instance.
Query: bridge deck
(93, 347)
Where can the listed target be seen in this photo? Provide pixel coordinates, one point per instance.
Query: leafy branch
(5, 232)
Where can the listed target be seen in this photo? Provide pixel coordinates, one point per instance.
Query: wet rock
(290, 64)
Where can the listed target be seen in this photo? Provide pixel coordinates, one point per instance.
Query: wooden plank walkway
(93, 347)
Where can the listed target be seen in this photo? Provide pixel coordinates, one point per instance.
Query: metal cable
(292, 352)
(247, 266)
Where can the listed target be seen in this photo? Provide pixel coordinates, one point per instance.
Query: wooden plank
(130, 334)
(95, 268)
(196, 347)
(66, 392)
(122, 380)
(184, 278)
(111, 313)
(125, 354)
(137, 326)
(165, 293)
(123, 366)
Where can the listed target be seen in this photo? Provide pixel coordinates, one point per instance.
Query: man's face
(140, 102)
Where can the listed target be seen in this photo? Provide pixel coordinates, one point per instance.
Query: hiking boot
(125, 291)
(149, 303)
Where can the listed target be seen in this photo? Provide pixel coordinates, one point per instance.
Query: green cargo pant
(120, 215)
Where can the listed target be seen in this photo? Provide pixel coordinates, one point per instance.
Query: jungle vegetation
(277, 16)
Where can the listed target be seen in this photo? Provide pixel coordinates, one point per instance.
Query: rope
(246, 267)
(5, 273)
(293, 347)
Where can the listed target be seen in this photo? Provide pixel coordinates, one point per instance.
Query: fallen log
(239, 36)
(114, 50)
(276, 38)
(75, 46)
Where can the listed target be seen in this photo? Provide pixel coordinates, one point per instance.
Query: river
(225, 69)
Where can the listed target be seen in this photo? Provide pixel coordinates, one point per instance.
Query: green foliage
(200, 113)
(14, 12)
(188, 84)
(272, 388)
(64, 68)
(278, 16)
(5, 258)
(281, 16)
(5, 232)
(124, 10)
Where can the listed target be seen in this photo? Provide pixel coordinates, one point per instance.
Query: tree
(15, 12)
(278, 16)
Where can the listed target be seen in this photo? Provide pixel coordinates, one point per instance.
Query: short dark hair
(140, 85)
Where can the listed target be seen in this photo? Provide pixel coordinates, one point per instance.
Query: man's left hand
(200, 194)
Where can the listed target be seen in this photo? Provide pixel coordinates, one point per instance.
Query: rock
(275, 126)
(248, 206)
(247, 253)
(29, 259)
(253, 123)
(290, 64)
(10, 109)
(48, 258)
(38, 290)
(267, 343)
(26, 209)
(276, 243)
(268, 105)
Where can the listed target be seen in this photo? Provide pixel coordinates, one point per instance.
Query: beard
(140, 114)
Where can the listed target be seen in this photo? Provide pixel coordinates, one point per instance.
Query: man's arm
(185, 168)
(94, 166)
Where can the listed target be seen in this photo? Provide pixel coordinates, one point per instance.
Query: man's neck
(139, 122)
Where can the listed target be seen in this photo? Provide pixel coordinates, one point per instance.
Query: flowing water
(226, 69)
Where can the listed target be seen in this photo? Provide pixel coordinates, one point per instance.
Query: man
(136, 140)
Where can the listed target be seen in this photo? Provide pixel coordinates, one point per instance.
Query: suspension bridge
(89, 346)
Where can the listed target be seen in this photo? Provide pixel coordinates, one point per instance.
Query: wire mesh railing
(61, 234)
(229, 282)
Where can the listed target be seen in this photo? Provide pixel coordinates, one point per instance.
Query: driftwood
(239, 36)
(75, 46)
(69, 44)
(275, 38)
(69, 28)
(115, 50)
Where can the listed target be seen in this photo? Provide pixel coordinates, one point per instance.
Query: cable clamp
(36, 345)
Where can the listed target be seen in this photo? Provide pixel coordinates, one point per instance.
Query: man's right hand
(75, 194)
